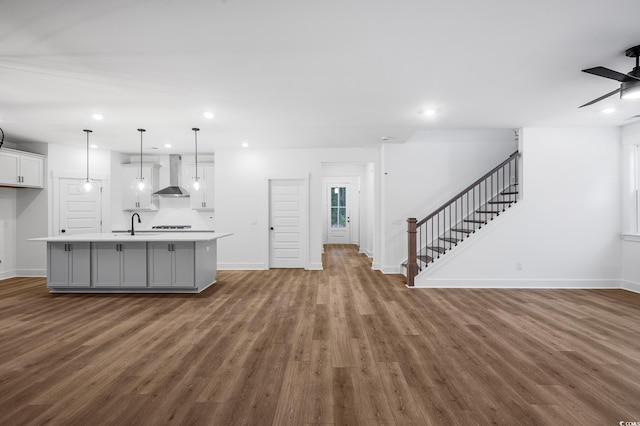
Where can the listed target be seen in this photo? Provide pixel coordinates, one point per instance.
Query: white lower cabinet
(69, 265)
(116, 264)
(171, 264)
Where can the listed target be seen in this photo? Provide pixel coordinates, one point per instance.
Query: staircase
(457, 219)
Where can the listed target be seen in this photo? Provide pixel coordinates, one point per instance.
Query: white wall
(8, 229)
(422, 174)
(631, 242)
(565, 230)
(242, 198)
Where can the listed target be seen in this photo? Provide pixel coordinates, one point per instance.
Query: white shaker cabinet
(69, 264)
(201, 200)
(21, 169)
(131, 200)
(171, 264)
(115, 264)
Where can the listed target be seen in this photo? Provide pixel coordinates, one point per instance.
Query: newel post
(412, 260)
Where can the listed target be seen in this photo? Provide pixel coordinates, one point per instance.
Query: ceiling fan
(630, 87)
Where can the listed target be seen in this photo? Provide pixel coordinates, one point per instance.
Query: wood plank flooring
(346, 345)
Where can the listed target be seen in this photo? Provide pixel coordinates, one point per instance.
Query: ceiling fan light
(630, 90)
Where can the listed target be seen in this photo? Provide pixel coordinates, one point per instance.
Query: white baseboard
(376, 266)
(31, 273)
(242, 267)
(314, 267)
(630, 285)
(365, 252)
(392, 269)
(519, 283)
(7, 274)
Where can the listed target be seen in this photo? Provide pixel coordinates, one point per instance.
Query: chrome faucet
(139, 221)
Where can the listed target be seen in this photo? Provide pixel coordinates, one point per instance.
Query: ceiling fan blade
(601, 98)
(607, 73)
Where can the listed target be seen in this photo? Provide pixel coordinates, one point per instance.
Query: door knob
(63, 231)
(272, 228)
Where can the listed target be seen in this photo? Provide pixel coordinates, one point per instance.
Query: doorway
(288, 223)
(339, 213)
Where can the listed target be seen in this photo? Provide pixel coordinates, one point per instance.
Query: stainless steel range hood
(175, 173)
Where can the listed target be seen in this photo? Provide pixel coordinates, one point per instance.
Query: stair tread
(475, 221)
(502, 202)
(425, 258)
(437, 248)
(464, 230)
(450, 240)
(509, 192)
(489, 211)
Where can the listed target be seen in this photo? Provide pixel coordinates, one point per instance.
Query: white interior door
(338, 213)
(287, 222)
(80, 213)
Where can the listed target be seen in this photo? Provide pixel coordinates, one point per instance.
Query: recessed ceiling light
(167, 145)
(429, 112)
(384, 138)
(94, 146)
(208, 115)
(245, 144)
(97, 116)
(608, 110)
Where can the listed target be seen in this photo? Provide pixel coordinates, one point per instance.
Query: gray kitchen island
(177, 262)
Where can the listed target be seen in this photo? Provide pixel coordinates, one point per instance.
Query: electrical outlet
(518, 266)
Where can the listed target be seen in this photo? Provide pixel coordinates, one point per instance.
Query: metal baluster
(503, 170)
(419, 248)
(437, 235)
(517, 179)
(510, 190)
(449, 227)
(484, 200)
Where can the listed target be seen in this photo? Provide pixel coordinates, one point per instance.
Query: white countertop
(143, 236)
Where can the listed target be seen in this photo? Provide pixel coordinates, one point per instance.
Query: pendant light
(139, 185)
(88, 186)
(197, 183)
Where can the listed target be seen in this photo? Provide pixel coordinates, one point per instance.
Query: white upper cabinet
(21, 169)
(131, 200)
(200, 200)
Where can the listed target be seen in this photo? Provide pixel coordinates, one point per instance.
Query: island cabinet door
(133, 264)
(160, 264)
(68, 265)
(183, 264)
(79, 264)
(105, 264)
(58, 265)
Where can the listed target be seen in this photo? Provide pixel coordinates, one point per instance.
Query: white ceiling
(300, 73)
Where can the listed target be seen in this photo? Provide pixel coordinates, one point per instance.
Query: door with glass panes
(339, 221)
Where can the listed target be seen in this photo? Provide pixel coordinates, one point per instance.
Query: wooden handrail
(464, 191)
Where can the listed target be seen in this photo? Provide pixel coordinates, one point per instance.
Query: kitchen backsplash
(172, 211)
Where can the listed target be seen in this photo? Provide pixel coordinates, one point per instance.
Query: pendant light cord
(1, 140)
(195, 132)
(141, 130)
(87, 131)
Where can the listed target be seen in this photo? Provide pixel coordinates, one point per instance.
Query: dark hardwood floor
(346, 345)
